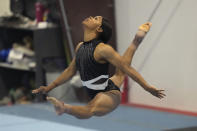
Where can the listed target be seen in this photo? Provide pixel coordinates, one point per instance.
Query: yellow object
(145, 27)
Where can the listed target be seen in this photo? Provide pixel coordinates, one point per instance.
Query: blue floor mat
(123, 118)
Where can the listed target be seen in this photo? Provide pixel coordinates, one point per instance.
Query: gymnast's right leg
(101, 104)
(119, 76)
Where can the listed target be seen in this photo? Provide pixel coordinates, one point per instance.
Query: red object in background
(125, 91)
(39, 12)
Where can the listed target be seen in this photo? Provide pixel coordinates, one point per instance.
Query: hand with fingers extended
(42, 89)
(156, 92)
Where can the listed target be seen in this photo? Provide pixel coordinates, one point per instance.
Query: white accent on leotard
(102, 86)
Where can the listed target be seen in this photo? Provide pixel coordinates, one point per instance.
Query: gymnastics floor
(41, 117)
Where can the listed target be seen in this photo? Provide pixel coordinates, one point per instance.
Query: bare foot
(145, 27)
(60, 107)
(141, 33)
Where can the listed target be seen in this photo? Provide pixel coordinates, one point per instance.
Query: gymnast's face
(93, 23)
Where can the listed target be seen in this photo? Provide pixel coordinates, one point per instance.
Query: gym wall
(167, 56)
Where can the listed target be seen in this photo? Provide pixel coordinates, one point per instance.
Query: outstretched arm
(64, 77)
(107, 53)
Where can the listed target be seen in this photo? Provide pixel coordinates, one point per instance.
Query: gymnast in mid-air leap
(93, 56)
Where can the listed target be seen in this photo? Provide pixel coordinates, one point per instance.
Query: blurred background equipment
(23, 42)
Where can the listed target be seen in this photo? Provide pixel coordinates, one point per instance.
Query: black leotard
(94, 75)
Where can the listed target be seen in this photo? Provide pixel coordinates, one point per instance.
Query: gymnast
(93, 56)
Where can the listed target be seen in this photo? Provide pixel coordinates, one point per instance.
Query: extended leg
(102, 104)
(118, 77)
(77, 111)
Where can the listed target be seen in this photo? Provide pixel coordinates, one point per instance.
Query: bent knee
(95, 112)
(100, 111)
(92, 111)
(89, 113)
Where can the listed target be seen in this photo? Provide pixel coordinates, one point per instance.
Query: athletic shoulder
(102, 47)
(104, 50)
